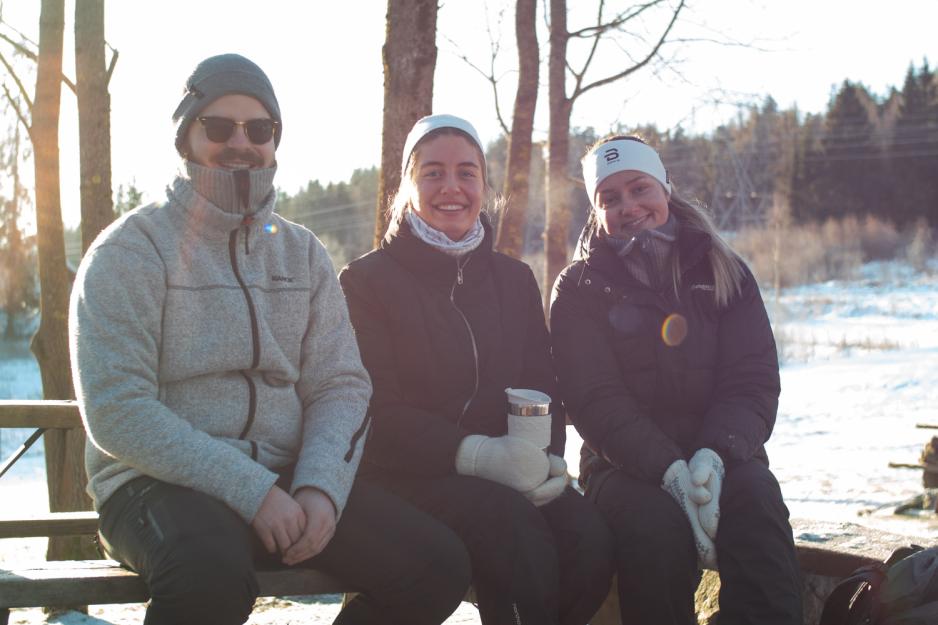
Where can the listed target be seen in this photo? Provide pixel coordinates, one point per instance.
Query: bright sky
(324, 59)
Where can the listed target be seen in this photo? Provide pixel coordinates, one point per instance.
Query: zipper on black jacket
(472, 338)
(255, 332)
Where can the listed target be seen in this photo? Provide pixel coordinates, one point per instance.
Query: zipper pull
(458, 273)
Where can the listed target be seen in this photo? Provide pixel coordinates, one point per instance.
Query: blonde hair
(401, 200)
(726, 265)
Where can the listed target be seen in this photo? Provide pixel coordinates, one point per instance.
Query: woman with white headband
(445, 325)
(668, 369)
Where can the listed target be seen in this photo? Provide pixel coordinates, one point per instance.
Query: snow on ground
(267, 611)
(860, 369)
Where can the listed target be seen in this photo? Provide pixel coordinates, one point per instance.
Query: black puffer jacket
(640, 404)
(441, 344)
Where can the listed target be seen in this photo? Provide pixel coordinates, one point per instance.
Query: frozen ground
(860, 371)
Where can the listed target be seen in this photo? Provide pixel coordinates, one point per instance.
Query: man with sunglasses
(223, 393)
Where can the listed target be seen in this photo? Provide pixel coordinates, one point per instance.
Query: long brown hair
(726, 265)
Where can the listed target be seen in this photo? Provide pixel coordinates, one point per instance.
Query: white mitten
(507, 460)
(706, 469)
(677, 483)
(553, 486)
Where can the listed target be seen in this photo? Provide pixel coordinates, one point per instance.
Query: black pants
(530, 565)
(760, 581)
(198, 557)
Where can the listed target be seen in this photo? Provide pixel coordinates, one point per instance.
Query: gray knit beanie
(223, 75)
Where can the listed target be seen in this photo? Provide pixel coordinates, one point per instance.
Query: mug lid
(527, 401)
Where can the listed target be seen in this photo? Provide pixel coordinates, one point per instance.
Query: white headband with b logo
(622, 155)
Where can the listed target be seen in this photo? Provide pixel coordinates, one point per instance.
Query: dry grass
(921, 245)
(793, 346)
(788, 255)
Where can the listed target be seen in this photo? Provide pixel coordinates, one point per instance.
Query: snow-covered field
(860, 371)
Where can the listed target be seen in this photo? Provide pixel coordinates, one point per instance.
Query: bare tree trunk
(409, 55)
(64, 449)
(561, 106)
(557, 222)
(94, 120)
(510, 238)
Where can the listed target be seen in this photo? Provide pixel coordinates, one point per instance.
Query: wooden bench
(93, 582)
(827, 552)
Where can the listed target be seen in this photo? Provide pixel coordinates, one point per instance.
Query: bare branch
(619, 21)
(16, 108)
(19, 85)
(110, 67)
(723, 42)
(721, 38)
(495, 47)
(589, 59)
(489, 76)
(651, 55)
(32, 56)
(69, 84)
(22, 36)
(19, 47)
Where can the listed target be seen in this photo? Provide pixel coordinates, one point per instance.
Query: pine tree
(807, 200)
(853, 167)
(913, 148)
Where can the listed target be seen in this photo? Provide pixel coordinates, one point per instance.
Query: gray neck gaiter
(646, 255)
(241, 192)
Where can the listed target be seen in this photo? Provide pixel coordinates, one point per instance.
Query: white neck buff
(434, 238)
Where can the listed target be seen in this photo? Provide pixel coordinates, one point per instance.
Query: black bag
(903, 590)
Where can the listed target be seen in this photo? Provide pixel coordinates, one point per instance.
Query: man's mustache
(247, 155)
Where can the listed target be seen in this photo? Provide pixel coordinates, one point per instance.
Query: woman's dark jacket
(640, 404)
(442, 338)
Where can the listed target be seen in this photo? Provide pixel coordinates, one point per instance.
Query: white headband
(622, 155)
(428, 124)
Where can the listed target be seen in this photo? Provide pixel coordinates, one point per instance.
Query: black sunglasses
(219, 129)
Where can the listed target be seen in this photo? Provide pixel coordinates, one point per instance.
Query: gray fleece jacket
(210, 348)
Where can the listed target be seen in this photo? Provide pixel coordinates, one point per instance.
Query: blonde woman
(668, 368)
(445, 324)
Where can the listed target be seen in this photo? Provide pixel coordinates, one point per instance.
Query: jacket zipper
(252, 405)
(243, 188)
(255, 333)
(246, 224)
(472, 338)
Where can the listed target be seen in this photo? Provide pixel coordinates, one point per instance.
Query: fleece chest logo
(287, 279)
(702, 287)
